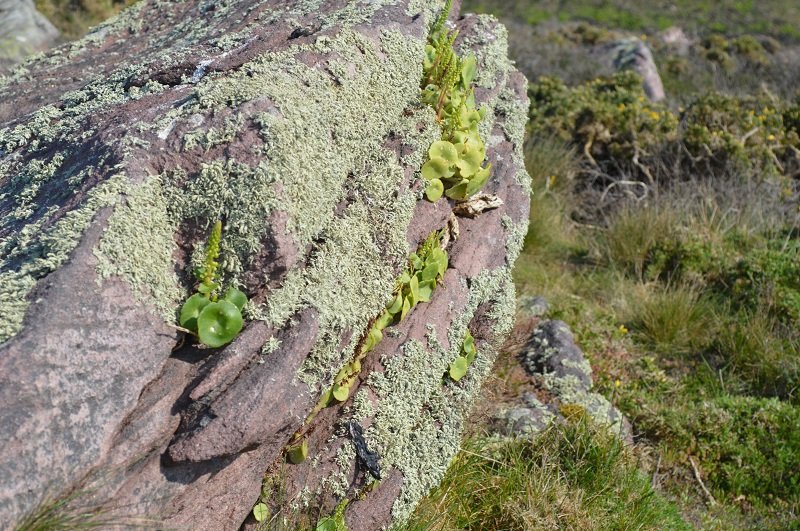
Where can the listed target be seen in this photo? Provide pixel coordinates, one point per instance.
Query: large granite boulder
(299, 125)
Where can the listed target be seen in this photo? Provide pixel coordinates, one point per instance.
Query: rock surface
(23, 31)
(299, 125)
(557, 380)
(634, 54)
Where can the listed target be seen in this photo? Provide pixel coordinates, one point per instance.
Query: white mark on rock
(164, 133)
(200, 71)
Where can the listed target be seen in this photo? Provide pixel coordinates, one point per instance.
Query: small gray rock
(23, 31)
(524, 421)
(552, 350)
(533, 305)
(634, 54)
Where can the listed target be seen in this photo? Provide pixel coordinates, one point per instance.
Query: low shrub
(622, 135)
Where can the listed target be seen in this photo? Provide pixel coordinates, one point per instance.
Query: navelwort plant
(459, 366)
(334, 522)
(416, 284)
(455, 163)
(214, 321)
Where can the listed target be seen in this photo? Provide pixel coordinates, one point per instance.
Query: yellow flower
(621, 107)
(623, 330)
(617, 383)
(771, 138)
(654, 115)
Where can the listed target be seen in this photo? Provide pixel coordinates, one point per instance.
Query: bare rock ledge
(299, 125)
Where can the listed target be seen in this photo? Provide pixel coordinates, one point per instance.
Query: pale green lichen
(570, 390)
(489, 43)
(47, 252)
(23, 261)
(418, 421)
(363, 407)
(139, 233)
(271, 345)
(321, 150)
(515, 237)
(212, 137)
(241, 195)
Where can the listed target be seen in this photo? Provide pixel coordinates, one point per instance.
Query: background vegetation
(666, 235)
(74, 17)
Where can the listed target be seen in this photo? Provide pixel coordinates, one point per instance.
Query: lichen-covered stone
(553, 354)
(298, 125)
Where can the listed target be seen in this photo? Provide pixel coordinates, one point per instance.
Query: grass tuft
(573, 476)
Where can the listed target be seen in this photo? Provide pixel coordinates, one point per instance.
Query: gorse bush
(621, 133)
(605, 118)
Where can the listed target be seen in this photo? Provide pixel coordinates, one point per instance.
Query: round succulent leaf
(219, 323)
(298, 453)
(342, 375)
(444, 150)
(434, 190)
(397, 303)
(207, 288)
(436, 168)
(440, 257)
(406, 308)
(458, 368)
(468, 117)
(260, 512)
(460, 139)
(426, 290)
(328, 523)
(327, 397)
(236, 297)
(373, 338)
(470, 102)
(458, 191)
(376, 335)
(191, 309)
(431, 271)
(468, 348)
(478, 180)
(416, 263)
(340, 392)
(414, 290)
(386, 318)
(470, 161)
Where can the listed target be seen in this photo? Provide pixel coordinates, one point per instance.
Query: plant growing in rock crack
(459, 366)
(416, 284)
(455, 163)
(334, 522)
(213, 320)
